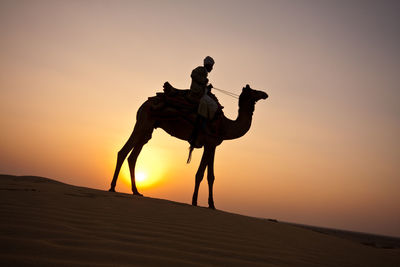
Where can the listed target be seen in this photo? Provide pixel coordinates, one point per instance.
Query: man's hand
(209, 87)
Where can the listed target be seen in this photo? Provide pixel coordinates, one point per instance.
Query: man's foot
(196, 144)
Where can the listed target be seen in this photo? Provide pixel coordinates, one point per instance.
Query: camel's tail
(190, 154)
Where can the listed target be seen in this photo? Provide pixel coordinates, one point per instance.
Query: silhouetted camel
(147, 121)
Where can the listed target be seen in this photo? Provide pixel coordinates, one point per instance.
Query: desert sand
(47, 223)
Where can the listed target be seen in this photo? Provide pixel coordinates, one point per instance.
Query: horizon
(323, 149)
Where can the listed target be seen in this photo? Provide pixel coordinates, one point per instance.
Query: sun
(150, 169)
(140, 176)
(143, 177)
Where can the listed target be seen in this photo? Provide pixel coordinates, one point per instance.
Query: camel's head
(251, 96)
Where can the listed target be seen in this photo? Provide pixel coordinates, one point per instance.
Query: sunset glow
(150, 169)
(323, 149)
(141, 176)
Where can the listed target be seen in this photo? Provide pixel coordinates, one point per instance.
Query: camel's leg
(141, 135)
(211, 178)
(132, 163)
(122, 154)
(144, 133)
(200, 174)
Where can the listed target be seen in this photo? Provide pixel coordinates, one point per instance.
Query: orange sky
(322, 150)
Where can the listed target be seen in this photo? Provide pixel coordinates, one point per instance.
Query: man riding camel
(200, 91)
(200, 95)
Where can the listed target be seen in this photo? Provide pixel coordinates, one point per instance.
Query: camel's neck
(240, 126)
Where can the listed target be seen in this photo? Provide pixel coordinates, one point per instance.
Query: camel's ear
(247, 88)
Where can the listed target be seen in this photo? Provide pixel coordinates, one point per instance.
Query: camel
(147, 120)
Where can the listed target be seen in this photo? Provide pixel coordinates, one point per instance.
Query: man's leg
(198, 126)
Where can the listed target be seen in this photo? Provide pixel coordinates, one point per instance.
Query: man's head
(209, 63)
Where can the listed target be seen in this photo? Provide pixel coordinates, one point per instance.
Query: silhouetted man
(201, 92)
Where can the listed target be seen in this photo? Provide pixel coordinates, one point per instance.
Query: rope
(227, 93)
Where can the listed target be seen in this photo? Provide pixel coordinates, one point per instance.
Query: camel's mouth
(261, 95)
(264, 95)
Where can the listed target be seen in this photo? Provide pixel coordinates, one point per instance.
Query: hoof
(111, 190)
(211, 206)
(137, 194)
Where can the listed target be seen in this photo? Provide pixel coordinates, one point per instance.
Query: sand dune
(45, 222)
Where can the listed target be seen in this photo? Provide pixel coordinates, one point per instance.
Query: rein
(227, 93)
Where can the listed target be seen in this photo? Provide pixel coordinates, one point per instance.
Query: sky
(323, 149)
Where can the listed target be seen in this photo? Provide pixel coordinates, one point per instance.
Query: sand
(47, 223)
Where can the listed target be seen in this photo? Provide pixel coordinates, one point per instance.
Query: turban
(209, 61)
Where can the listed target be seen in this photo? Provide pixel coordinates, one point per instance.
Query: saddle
(173, 102)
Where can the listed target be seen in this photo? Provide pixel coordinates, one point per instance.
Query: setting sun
(145, 177)
(140, 176)
(150, 169)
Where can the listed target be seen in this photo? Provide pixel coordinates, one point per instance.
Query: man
(200, 80)
(200, 92)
